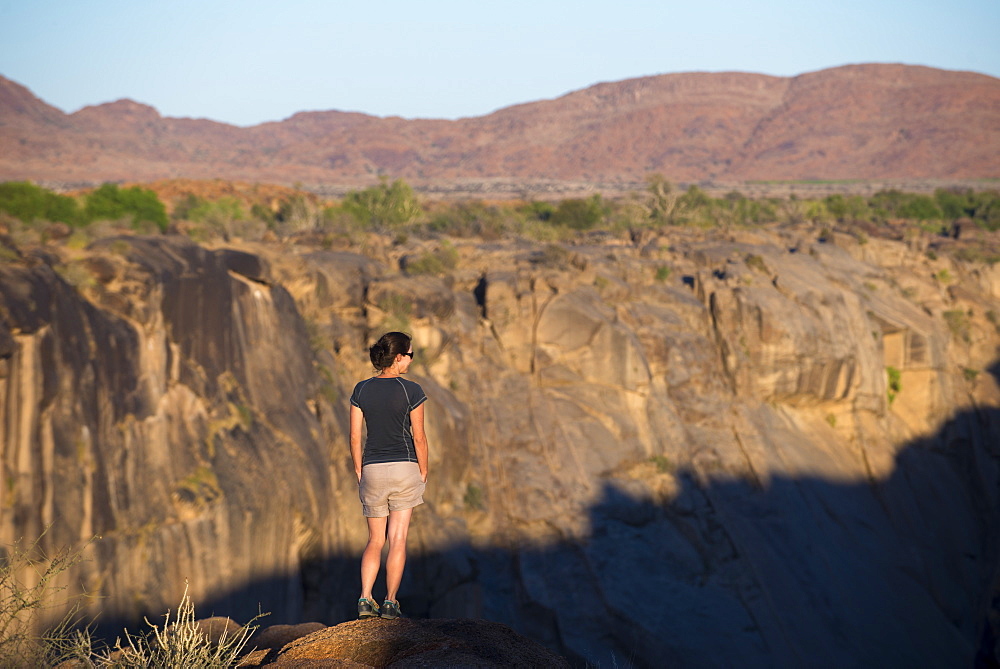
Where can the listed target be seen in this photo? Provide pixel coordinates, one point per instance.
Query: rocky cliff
(692, 449)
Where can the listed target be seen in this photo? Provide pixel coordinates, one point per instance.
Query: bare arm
(419, 440)
(357, 418)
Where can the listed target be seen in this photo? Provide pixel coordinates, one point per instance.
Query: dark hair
(383, 352)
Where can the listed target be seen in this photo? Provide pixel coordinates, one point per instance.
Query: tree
(109, 202)
(662, 199)
(29, 203)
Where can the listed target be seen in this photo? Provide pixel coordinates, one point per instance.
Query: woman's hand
(357, 420)
(419, 440)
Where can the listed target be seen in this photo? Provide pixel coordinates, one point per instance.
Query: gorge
(768, 446)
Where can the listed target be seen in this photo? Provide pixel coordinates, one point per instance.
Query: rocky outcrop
(154, 414)
(693, 449)
(408, 643)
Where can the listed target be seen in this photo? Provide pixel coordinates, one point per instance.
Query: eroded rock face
(698, 450)
(167, 424)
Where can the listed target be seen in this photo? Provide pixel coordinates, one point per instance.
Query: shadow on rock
(790, 572)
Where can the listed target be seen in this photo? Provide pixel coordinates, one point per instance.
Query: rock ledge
(408, 643)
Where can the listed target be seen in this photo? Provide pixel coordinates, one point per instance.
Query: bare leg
(371, 559)
(399, 526)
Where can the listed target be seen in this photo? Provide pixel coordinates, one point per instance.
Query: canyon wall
(691, 448)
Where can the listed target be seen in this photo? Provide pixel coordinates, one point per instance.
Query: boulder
(413, 643)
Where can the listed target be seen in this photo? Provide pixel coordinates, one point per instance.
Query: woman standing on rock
(392, 468)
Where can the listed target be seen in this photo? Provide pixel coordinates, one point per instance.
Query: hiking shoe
(390, 609)
(367, 608)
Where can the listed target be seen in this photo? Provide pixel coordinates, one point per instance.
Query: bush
(756, 262)
(921, 208)
(225, 217)
(851, 208)
(30, 203)
(540, 211)
(109, 202)
(179, 643)
(218, 214)
(23, 600)
(385, 205)
(954, 203)
(579, 214)
(986, 209)
(476, 219)
(896, 204)
(894, 384)
(958, 324)
(745, 211)
(474, 498)
(662, 198)
(437, 262)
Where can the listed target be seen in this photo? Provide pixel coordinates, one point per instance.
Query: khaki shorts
(390, 486)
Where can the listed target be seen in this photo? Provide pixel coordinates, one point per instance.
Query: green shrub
(894, 384)
(76, 275)
(954, 203)
(958, 324)
(983, 206)
(30, 203)
(844, 209)
(986, 209)
(921, 208)
(437, 262)
(753, 212)
(756, 262)
(384, 205)
(897, 204)
(694, 198)
(579, 214)
(663, 464)
(218, 213)
(553, 256)
(262, 213)
(836, 204)
(139, 205)
(540, 211)
(476, 219)
(474, 498)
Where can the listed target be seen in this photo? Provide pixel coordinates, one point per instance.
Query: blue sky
(252, 61)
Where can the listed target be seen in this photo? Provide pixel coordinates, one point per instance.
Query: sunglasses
(409, 354)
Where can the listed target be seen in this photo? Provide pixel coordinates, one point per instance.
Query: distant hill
(852, 122)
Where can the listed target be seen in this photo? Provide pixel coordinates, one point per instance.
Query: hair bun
(388, 346)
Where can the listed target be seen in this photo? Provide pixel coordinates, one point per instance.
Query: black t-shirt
(386, 404)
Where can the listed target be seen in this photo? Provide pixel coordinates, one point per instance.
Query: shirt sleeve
(418, 397)
(356, 395)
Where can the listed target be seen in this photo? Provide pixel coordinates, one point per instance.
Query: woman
(392, 469)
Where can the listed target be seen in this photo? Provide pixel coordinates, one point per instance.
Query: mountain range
(868, 121)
